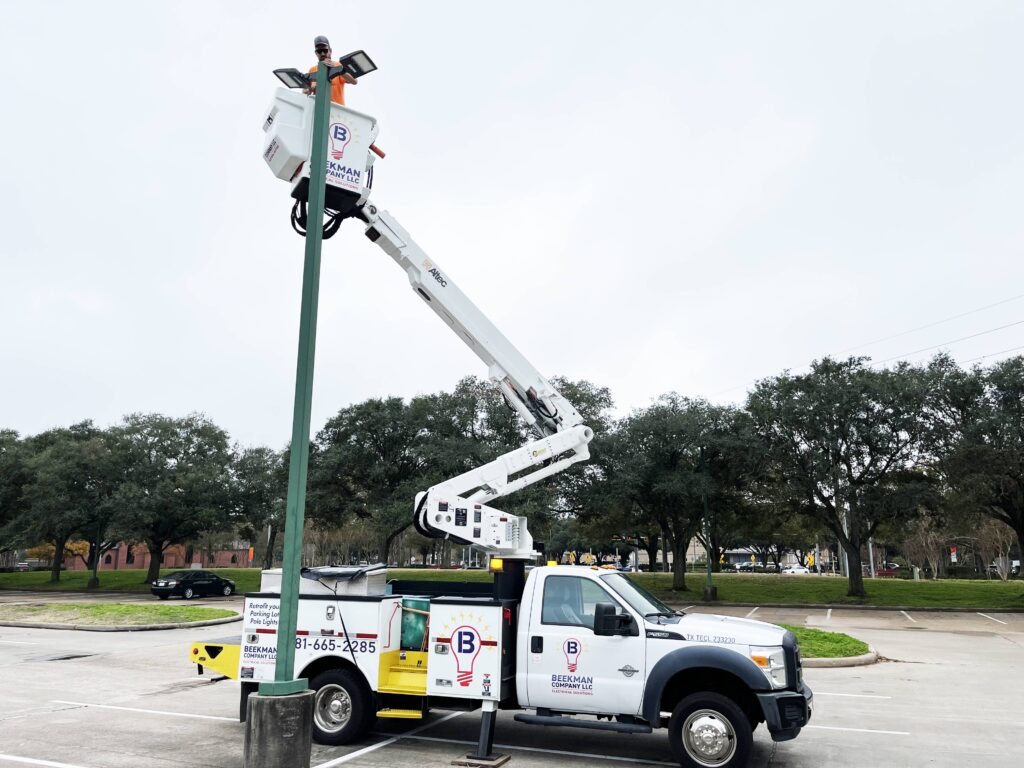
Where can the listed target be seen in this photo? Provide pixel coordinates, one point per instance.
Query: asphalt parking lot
(947, 693)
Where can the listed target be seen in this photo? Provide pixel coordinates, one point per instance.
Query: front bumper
(786, 712)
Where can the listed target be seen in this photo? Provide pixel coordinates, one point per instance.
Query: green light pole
(295, 513)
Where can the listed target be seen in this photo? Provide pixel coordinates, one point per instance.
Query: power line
(991, 354)
(913, 330)
(930, 325)
(946, 343)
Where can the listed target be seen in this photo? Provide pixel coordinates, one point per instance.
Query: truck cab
(595, 642)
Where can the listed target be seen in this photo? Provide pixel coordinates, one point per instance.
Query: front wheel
(342, 708)
(187, 594)
(708, 730)
(227, 590)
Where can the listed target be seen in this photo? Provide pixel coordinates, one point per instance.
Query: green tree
(14, 475)
(980, 443)
(68, 486)
(848, 441)
(655, 467)
(259, 495)
(176, 480)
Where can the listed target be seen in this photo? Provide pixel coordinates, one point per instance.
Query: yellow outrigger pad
(220, 656)
(403, 714)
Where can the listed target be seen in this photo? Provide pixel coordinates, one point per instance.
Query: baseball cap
(321, 40)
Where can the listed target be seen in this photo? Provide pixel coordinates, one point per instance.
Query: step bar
(593, 725)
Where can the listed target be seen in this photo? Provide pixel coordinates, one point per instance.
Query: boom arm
(456, 508)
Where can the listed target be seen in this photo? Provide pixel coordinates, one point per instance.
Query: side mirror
(608, 622)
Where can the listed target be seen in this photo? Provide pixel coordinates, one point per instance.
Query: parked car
(189, 584)
(22, 567)
(796, 569)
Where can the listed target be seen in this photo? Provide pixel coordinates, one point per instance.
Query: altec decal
(429, 266)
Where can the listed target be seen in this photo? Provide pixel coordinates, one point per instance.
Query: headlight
(772, 662)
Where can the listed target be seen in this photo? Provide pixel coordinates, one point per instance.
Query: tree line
(913, 456)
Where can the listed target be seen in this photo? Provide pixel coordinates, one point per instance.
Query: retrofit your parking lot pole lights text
(279, 723)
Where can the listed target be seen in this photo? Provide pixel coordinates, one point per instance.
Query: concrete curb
(131, 628)
(871, 657)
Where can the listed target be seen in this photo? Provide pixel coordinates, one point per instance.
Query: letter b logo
(466, 642)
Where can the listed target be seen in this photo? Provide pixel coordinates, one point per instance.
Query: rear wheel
(342, 707)
(708, 730)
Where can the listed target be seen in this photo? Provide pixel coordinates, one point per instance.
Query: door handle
(536, 644)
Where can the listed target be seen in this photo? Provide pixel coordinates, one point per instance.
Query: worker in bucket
(322, 49)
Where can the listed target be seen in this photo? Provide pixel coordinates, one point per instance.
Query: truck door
(569, 668)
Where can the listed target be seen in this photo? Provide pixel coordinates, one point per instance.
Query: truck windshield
(639, 599)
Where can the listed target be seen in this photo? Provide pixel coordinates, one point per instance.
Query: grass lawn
(756, 589)
(109, 614)
(818, 644)
(246, 580)
(785, 589)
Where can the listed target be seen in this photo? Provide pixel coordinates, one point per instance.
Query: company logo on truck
(340, 136)
(572, 650)
(466, 643)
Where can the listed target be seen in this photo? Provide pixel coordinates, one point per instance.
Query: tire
(227, 591)
(188, 593)
(708, 730)
(342, 707)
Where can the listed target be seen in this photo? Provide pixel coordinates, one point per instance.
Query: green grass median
(755, 589)
(109, 614)
(819, 644)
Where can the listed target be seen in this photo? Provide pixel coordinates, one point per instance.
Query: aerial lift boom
(456, 508)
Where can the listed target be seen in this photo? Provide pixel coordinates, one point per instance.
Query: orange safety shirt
(337, 88)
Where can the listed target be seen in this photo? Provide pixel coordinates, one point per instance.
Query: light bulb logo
(572, 650)
(340, 136)
(466, 646)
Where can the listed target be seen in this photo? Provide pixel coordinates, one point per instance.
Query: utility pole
(279, 724)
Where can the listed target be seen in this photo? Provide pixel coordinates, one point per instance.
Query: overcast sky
(653, 196)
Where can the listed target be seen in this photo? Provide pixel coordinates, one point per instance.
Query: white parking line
(30, 761)
(145, 711)
(521, 748)
(16, 642)
(828, 616)
(372, 747)
(852, 695)
(909, 616)
(991, 617)
(752, 610)
(857, 730)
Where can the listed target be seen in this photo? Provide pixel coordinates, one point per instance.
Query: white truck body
(545, 652)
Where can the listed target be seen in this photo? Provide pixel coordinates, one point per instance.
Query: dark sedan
(189, 584)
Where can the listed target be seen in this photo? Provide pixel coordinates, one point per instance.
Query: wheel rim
(332, 708)
(188, 594)
(227, 591)
(709, 738)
